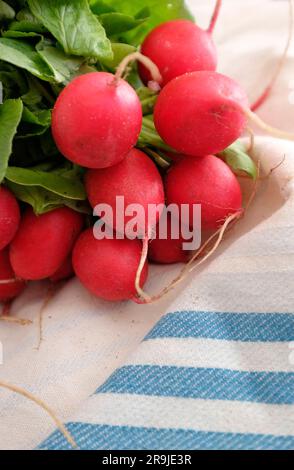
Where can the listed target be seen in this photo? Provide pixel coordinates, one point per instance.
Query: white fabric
(85, 339)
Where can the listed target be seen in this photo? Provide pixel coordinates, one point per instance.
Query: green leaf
(26, 27)
(34, 123)
(48, 145)
(62, 65)
(65, 183)
(99, 8)
(237, 158)
(27, 22)
(26, 15)
(33, 96)
(161, 11)
(23, 55)
(10, 116)
(143, 14)
(19, 34)
(6, 12)
(120, 51)
(117, 23)
(13, 81)
(74, 26)
(43, 201)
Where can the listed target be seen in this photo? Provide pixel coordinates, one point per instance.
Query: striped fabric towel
(209, 379)
(200, 380)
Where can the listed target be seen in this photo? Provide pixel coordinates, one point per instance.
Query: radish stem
(215, 16)
(143, 259)
(266, 127)
(151, 66)
(259, 102)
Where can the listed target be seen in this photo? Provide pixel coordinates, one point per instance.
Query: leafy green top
(45, 44)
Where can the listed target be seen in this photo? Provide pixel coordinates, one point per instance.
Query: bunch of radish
(96, 124)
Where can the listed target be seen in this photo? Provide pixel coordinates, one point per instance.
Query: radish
(169, 250)
(108, 268)
(180, 46)
(203, 113)
(138, 181)
(97, 120)
(207, 181)
(43, 242)
(9, 217)
(64, 272)
(10, 287)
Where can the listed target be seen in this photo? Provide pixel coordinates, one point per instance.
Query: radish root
(145, 299)
(47, 299)
(266, 127)
(148, 63)
(252, 140)
(7, 318)
(44, 406)
(18, 321)
(141, 294)
(9, 281)
(259, 102)
(215, 16)
(218, 235)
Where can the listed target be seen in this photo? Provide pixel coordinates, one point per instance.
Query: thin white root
(9, 281)
(18, 321)
(188, 267)
(220, 237)
(252, 140)
(44, 406)
(47, 299)
(259, 102)
(142, 295)
(7, 318)
(149, 64)
(266, 127)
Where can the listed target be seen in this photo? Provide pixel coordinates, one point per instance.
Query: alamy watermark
(175, 222)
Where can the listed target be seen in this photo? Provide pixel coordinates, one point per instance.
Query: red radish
(97, 120)
(169, 250)
(207, 181)
(9, 217)
(201, 113)
(178, 47)
(137, 179)
(108, 268)
(43, 242)
(64, 272)
(11, 286)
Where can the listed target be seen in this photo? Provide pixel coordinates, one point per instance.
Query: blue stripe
(99, 437)
(226, 326)
(212, 384)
